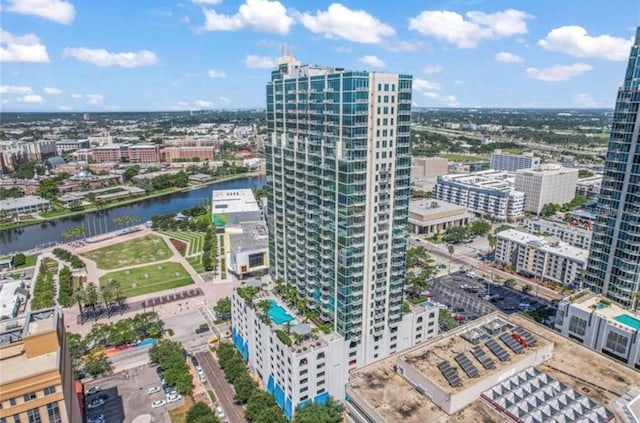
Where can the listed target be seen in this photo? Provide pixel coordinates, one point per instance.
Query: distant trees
(210, 250)
(48, 189)
(170, 356)
(329, 412)
(10, 193)
(200, 412)
(74, 233)
(223, 309)
(19, 260)
(96, 362)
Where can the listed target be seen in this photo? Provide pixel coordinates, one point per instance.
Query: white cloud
(74, 95)
(206, 1)
(32, 98)
(55, 10)
(104, 58)
(260, 62)
(94, 98)
(224, 99)
(339, 21)
(14, 89)
(216, 74)
(183, 104)
(203, 104)
(258, 15)
(506, 57)
(402, 46)
(52, 91)
(467, 33)
(26, 48)
(431, 69)
(586, 100)
(372, 61)
(64, 108)
(422, 85)
(558, 72)
(458, 82)
(576, 42)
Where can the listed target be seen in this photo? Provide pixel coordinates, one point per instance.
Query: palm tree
(107, 295)
(118, 295)
(451, 251)
(78, 297)
(92, 297)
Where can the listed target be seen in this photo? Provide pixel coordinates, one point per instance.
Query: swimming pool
(278, 314)
(629, 321)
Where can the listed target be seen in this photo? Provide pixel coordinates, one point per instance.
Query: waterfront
(99, 222)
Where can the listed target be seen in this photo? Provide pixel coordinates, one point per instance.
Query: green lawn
(147, 249)
(147, 279)
(464, 158)
(194, 239)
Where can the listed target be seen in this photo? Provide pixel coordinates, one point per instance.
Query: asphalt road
(459, 260)
(234, 413)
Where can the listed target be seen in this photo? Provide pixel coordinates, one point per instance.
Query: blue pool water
(629, 321)
(278, 314)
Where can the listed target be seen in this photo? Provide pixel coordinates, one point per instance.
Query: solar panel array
(450, 374)
(515, 346)
(531, 340)
(483, 358)
(467, 365)
(495, 348)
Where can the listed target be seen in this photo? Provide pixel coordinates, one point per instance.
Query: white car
(94, 390)
(158, 403)
(219, 411)
(173, 398)
(153, 389)
(96, 419)
(200, 371)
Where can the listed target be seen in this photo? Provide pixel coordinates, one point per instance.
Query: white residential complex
(513, 162)
(536, 256)
(298, 362)
(601, 325)
(486, 193)
(569, 233)
(546, 184)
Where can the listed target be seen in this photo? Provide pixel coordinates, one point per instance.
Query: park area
(147, 279)
(147, 249)
(193, 247)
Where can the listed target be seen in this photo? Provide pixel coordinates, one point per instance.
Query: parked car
(159, 370)
(194, 361)
(173, 398)
(153, 389)
(93, 390)
(158, 403)
(95, 404)
(96, 419)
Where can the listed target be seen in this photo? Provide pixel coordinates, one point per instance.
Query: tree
(97, 363)
(451, 251)
(455, 234)
(480, 227)
(548, 209)
(106, 293)
(131, 172)
(244, 387)
(19, 260)
(78, 297)
(223, 309)
(92, 297)
(417, 256)
(330, 412)
(493, 240)
(259, 401)
(77, 348)
(48, 189)
(200, 412)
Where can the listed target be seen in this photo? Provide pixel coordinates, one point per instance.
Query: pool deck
(278, 313)
(628, 320)
(593, 303)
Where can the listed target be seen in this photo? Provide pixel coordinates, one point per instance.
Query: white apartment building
(513, 162)
(295, 360)
(589, 187)
(536, 256)
(602, 325)
(486, 193)
(571, 234)
(546, 184)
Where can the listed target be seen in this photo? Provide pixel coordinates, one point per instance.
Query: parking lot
(127, 397)
(470, 296)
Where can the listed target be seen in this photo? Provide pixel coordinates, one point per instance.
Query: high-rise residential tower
(338, 166)
(613, 268)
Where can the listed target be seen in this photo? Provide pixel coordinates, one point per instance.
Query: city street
(223, 390)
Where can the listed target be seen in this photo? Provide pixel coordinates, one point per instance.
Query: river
(99, 222)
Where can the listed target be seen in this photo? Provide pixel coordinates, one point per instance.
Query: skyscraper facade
(338, 168)
(613, 268)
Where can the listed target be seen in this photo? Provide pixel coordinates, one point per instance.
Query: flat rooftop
(233, 201)
(595, 376)
(551, 244)
(431, 205)
(26, 201)
(487, 179)
(254, 236)
(593, 303)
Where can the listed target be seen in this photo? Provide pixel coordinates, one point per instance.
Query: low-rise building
(66, 146)
(24, 205)
(232, 207)
(248, 248)
(428, 166)
(431, 216)
(36, 381)
(298, 362)
(109, 153)
(13, 296)
(536, 256)
(486, 193)
(589, 187)
(569, 233)
(513, 162)
(188, 154)
(600, 324)
(144, 153)
(495, 368)
(548, 184)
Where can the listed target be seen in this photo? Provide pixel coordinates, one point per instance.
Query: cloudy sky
(129, 55)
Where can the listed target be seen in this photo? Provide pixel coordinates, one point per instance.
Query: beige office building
(546, 184)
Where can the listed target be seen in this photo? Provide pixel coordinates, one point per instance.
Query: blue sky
(138, 55)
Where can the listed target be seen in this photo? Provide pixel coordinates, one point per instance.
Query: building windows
(54, 413)
(50, 390)
(321, 390)
(617, 343)
(34, 416)
(12, 401)
(577, 325)
(16, 418)
(30, 396)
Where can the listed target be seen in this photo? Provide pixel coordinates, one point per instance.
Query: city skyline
(123, 56)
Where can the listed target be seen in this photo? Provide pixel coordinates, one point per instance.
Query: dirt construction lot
(128, 397)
